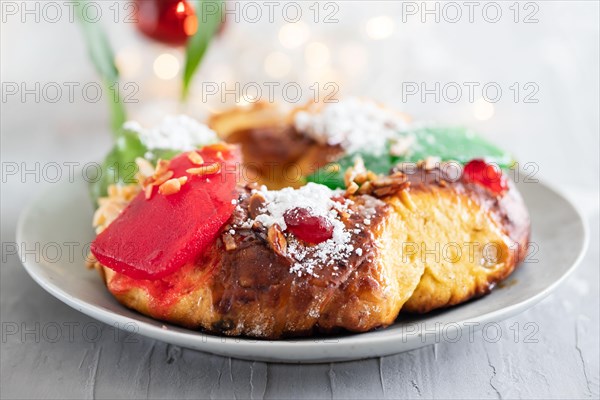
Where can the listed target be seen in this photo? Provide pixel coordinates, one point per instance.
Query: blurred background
(537, 63)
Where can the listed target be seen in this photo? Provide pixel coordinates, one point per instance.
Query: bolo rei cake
(273, 223)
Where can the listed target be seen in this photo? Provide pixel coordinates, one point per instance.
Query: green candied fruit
(447, 143)
(119, 165)
(454, 143)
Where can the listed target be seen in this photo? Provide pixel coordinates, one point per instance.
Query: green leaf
(447, 143)
(102, 57)
(119, 165)
(209, 19)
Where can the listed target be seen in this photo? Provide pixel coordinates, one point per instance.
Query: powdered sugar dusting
(175, 133)
(312, 196)
(354, 124)
(308, 259)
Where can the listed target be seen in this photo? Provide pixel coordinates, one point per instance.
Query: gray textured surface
(560, 53)
(556, 359)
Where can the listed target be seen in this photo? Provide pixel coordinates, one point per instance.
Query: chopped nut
(255, 203)
(353, 174)
(195, 158)
(162, 178)
(171, 186)
(371, 176)
(205, 169)
(182, 180)
(388, 181)
(220, 156)
(148, 191)
(344, 215)
(229, 242)
(383, 191)
(365, 188)
(277, 240)
(162, 166)
(398, 175)
(381, 186)
(352, 188)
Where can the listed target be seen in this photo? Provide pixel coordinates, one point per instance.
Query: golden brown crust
(251, 291)
(435, 245)
(425, 250)
(274, 153)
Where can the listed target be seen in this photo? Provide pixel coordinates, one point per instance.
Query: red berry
(305, 226)
(167, 21)
(487, 175)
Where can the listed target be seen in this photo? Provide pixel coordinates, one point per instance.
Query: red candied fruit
(158, 234)
(486, 175)
(313, 229)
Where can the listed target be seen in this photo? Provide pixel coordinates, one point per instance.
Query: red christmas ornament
(167, 21)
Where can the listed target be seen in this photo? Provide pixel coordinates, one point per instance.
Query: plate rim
(182, 336)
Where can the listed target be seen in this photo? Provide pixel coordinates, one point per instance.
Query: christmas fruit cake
(381, 216)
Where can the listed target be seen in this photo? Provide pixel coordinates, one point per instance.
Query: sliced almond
(229, 242)
(205, 169)
(171, 186)
(277, 240)
(365, 188)
(384, 191)
(352, 188)
(356, 173)
(195, 158)
(162, 178)
(162, 166)
(256, 202)
(148, 191)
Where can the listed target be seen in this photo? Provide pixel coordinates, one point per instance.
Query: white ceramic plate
(60, 219)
